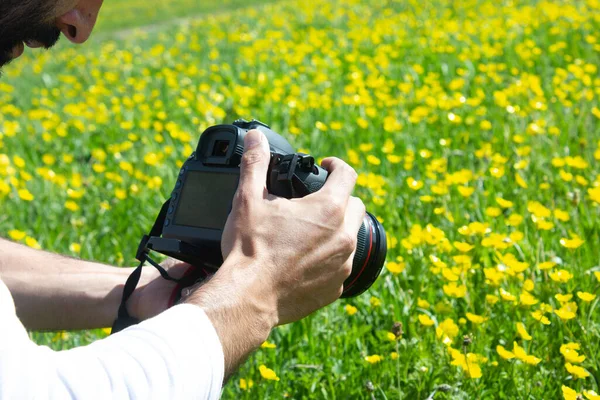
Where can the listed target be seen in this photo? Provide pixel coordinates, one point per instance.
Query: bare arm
(54, 292)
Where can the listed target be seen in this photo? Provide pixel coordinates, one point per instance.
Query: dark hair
(22, 20)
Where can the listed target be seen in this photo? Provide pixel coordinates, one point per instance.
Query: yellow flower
(570, 394)
(507, 355)
(491, 299)
(538, 315)
(120, 194)
(572, 243)
(375, 302)
(425, 320)
(423, 303)
(546, 265)
(591, 395)
(394, 355)
(514, 220)
(414, 184)
(497, 171)
(507, 296)
(523, 356)
(351, 310)
(493, 212)
(71, 205)
(469, 363)
(463, 247)
(563, 298)
(585, 296)
(246, 384)
(374, 359)
(594, 194)
(19, 162)
(504, 203)
(476, 319)
(31, 242)
(25, 194)
(60, 336)
(577, 371)
(75, 194)
(15, 234)
(268, 373)
(448, 328)
(562, 275)
(75, 247)
(561, 215)
(48, 159)
(267, 345)
(466, 191)
(452, 289)
(538, 210)
(569, 352)
(544, 225)
(597, 274)
(395, 268)
(527, 299)
(520, 181)
(371, 159)
(567, 311)
(393, 158)
(522, 332)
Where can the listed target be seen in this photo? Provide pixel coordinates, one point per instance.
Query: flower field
(474, 126)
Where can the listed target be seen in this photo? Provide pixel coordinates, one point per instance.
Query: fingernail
(252, 139)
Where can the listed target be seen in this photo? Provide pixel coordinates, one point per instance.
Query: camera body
(195, 215)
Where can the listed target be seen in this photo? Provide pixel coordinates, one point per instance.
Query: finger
(355, 215)
(341, 179)
(255, 164)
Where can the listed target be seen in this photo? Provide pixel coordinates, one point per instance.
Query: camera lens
(220, 148)
(369, 257)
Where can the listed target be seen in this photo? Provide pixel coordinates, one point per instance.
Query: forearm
(57, 292)
(241, 311)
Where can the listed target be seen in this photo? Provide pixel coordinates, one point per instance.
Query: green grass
(428, 101)
(128, 14)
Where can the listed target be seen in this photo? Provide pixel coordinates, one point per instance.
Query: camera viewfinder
(220, 148)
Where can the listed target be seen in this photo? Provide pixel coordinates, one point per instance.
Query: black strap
(125, 320)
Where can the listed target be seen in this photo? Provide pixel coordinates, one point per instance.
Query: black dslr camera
(190, 224)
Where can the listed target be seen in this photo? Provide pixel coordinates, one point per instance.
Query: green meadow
(473, 125)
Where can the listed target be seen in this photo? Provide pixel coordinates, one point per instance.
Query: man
(269, 277)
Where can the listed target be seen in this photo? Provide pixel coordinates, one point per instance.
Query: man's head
(39, 23)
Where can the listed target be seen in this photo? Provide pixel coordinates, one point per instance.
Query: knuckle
(334, 208)
(347, 270)
(351, 172)
(347, 242)
(251, 157)
(358, 204)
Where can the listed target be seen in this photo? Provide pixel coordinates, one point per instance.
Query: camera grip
(294, 175)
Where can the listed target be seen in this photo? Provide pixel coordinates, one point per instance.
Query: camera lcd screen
(206, 199)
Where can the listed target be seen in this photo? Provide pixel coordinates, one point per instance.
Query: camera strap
(125, 320)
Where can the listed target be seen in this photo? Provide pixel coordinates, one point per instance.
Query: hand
(284, 259)
(153, 293)
(301, 249)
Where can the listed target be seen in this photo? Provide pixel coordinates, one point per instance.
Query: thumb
(255, 164)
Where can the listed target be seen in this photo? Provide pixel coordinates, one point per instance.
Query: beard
(24, 22)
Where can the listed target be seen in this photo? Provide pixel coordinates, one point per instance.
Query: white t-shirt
(176, 355)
